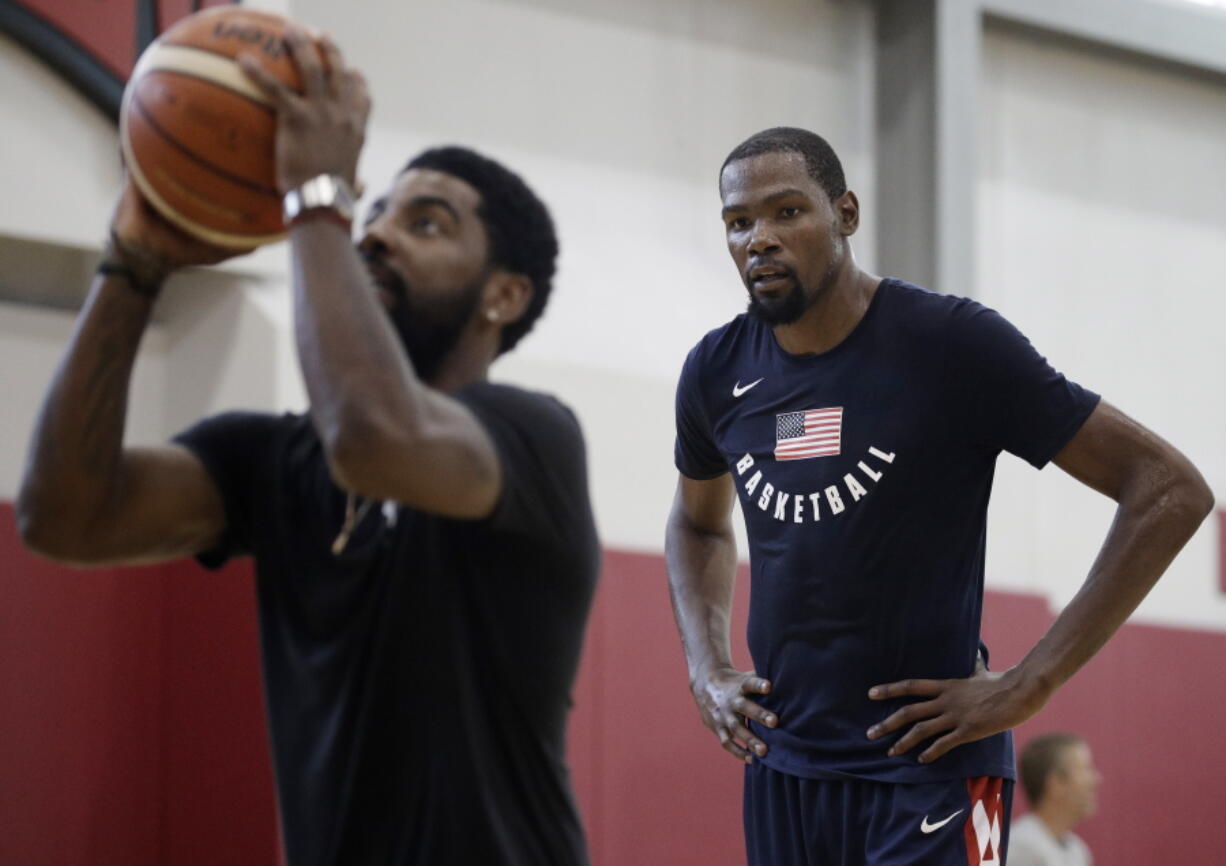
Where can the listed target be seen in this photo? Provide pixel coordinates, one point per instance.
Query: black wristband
(117, 269)
(115, 263)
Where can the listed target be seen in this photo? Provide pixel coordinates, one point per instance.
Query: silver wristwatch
(325, 191)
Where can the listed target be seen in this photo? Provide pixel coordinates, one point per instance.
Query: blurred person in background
(1061, 783)
(424, 544)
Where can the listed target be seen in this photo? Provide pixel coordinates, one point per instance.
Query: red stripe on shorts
(985, 823)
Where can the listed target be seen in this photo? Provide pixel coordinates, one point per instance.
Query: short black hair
(521, 235)
(820, 159)
(1042, 757)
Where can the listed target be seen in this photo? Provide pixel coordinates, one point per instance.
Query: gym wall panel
(217, 775)
(82, 733)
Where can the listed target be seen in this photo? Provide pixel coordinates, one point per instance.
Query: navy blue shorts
(793, 821)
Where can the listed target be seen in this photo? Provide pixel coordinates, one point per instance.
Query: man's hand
(322, 130)
(149, 246)
(963, 710)
(725, 709)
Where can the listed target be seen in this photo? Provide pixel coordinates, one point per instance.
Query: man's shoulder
(922, 306)
(242, 427)
(721, 343)
(1028, 825)
(1028, 833)
(536, 411)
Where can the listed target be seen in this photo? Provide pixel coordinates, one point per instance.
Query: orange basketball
(198, 136)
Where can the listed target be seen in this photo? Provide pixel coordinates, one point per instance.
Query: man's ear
(847, 206)
(506, 298)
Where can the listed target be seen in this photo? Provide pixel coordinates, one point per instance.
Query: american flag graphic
(814, 433)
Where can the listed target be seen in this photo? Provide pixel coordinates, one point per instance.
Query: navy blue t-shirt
(864, 474)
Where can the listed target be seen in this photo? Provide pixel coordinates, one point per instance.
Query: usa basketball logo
(94, 45)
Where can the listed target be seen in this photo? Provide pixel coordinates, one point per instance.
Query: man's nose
(372, 244)
(763, 240)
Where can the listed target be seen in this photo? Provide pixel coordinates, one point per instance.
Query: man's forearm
(75, 452)
(702, 573)
(1158, 512)
(357, 375)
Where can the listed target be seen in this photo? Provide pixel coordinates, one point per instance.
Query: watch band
(326, 195)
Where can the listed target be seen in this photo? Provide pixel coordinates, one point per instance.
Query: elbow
(355, 451)
(1187, 500)
(34, 527)
(51, 531)
(41, 533)
(1201, 500)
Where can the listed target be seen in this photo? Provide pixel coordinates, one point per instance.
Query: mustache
(763, 263)
(385, 276)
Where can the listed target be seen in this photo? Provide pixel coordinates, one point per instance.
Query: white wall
(1102, 219)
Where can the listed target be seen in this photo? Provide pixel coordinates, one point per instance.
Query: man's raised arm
(386, 433)
(84, 498)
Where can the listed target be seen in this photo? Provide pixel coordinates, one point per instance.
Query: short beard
(429, 334)
(783, 311)
(788, 309)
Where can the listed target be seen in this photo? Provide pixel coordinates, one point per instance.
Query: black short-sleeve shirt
(864, 475)
(418, 683)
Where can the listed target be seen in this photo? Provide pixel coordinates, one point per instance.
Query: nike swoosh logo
(926, 828)
(737, 390)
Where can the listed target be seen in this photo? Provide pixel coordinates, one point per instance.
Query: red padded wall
(131, 724)
(81, 736)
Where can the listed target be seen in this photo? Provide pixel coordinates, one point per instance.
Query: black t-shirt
(418, 683)
(864, 475)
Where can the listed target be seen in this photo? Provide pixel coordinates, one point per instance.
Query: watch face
(324, 191)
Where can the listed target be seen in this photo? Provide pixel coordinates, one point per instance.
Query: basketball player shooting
(858, 420)
(423, 540)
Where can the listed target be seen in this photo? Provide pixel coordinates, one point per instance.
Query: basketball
(198, 135)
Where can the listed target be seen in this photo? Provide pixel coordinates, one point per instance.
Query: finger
(731, 746)
(277, 93)
(361, 91)
(919, 733)
(941, 746)
(756, 685)
(334, 64)
(904, 716)
(759, 714)
(907, 689)
(744, 735)
(356, 94)
(306, 57)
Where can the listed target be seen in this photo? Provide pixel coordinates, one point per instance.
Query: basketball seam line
(170, 70)
(196, 158)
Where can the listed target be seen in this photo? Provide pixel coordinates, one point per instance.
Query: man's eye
(789, 212)
(425, 225)
(738, 223)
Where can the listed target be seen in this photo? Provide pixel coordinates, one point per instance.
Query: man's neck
(1056, 821)
(832, 317)
(468, 362)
